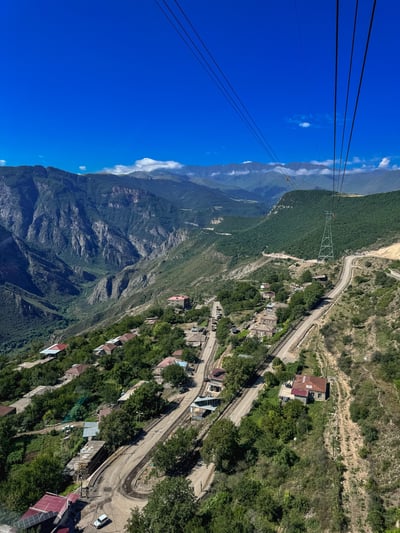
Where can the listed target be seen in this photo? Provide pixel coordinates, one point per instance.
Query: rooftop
(6, 410)
(50, 503)
(54, 349)
(310, 383)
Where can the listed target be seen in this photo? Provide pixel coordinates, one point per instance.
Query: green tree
(7, 432)
(146, 402)
(221, 446)
(175, 375)
(117, 428)
(170, 509)
(172, 456)
(306, 276)
(28, 482)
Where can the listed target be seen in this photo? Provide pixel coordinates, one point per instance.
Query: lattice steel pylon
(326, 248)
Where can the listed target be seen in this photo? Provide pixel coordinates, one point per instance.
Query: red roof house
(50, 508)
(127, 337)
(76, 370)
(6, 410)
(55, 349)
(180, 300)
(306, 388)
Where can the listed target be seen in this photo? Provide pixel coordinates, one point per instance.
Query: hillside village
(97, 396)
(171, 375)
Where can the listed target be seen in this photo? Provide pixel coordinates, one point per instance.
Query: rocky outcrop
(85, 219)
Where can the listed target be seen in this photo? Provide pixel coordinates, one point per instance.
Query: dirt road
(107, 495)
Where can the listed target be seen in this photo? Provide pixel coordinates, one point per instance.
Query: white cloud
(82, 167)
(305, 124)
(144, 165)
(246, 162)
(326, 163)
(2, 162)
(384, 163)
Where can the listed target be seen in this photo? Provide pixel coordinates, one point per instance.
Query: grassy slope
(296, 225)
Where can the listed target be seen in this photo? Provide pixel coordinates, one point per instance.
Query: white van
(101, 521)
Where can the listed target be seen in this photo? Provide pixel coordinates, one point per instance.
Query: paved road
(107, 496)
(202, 476)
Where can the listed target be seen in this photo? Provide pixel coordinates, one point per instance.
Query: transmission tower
(326, 248)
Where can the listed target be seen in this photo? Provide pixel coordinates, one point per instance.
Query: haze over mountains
(62, 234)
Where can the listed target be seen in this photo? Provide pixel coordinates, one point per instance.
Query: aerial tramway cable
(188, 33)
(371, 21)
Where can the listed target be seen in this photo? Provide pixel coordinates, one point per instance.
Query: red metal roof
(6, 410)
(300, 392)
(167, 362)
(51, 503)
(310, 383)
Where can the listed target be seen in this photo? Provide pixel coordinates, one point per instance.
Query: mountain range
(66, 237)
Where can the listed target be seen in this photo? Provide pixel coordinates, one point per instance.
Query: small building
(322, 278)
(216, 380)
(180, 301)
(167, 361)
(151, 320)
(49, 512)
(268, 295)
(32, 364)
(88, 459)
(305, 389)
(202, 406)
(105, 411)
(105, 349)
(195, 339)
(55, 349)
(90, 430)
(7, 410)
(126, 337)
(76, 370)
(265, 324)
(26, 400)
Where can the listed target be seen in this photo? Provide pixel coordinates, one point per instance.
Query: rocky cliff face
(59, 231)
(84, 219)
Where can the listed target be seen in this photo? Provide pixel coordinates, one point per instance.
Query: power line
(335, 92)
(240, 101)
(371, 21)
(348, 85)
(203, 54)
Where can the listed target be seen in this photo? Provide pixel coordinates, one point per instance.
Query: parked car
(101, 521)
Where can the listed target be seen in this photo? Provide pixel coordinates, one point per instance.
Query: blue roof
(90, 429)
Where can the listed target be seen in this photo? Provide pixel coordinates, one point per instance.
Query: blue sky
(88, 85)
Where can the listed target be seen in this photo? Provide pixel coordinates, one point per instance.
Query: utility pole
(326, 248)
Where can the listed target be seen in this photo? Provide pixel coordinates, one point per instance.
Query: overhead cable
(188, 33)
(371, 21)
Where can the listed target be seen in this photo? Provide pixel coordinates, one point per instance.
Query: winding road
(106, 493)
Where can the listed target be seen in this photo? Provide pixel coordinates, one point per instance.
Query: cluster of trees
(264, 482)
(82, 396)
(301, 302)
(122, 425)
(239, 295)
(174, 456)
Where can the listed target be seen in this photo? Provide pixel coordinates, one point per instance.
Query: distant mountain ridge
(269, 181)
(65, 236)
(59, 230)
